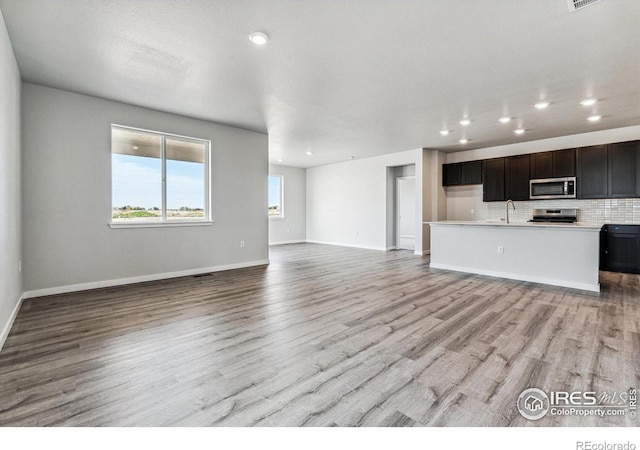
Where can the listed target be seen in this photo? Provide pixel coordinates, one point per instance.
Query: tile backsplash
(624, 210)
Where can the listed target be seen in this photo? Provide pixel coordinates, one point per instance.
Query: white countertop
(484, 223)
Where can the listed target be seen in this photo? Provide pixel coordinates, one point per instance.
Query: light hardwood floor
(324, 336)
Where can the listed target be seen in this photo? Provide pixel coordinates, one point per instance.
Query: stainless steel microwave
(550, 188)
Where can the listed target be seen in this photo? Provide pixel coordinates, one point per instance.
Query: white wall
(291, 228)
(465, 203)
(10, 191)
(461, 199)
(67, 197)
(347, 202)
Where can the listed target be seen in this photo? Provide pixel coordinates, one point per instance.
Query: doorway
(406, 213)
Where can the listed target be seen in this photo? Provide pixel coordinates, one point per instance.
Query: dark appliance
(555, 215)
(552, 188)
(620, 248)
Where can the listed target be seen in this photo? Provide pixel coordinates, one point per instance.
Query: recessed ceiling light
(259, 38)
(541, 105)
(519, 131)
(135, 147)
(465, 122)
(280, 159)
(588, 101)
(309, 152)
(594, 118)
(444, 132)
(505, 119)
(463, 141)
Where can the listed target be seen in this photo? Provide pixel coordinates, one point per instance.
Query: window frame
(165, 221)
(281, 215)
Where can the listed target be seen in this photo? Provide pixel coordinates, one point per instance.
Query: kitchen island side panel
(561, 256)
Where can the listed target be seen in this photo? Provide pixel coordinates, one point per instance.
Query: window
(275, 196)
(158, 178)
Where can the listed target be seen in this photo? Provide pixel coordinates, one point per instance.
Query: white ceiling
(345, 78)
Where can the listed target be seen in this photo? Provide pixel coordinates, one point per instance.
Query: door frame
(397, 212)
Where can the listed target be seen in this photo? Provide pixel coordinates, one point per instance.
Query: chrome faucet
(507, 209)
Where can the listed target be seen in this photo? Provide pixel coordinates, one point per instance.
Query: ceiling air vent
(575, 5)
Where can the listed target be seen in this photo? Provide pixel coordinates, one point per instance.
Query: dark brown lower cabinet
(620, 248)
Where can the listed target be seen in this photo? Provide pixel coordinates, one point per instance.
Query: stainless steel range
(555, 215)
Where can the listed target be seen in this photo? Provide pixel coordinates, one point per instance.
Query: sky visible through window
(275, 197)
(137, 182)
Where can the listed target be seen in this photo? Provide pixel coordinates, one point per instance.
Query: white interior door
(406, 213)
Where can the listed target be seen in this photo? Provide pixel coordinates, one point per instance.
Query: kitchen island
(557, 254)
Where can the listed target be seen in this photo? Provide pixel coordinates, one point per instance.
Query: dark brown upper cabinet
(601, 171)
(493, 180)
(564, 163)
(452, 174)
(472, 172)
(542, 165)
(592, 171)
(624, 170)
(517, 177)
(462, 173)
(560, 163)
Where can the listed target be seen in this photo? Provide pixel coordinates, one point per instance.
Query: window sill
(162, 224)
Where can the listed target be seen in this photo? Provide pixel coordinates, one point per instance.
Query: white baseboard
(510, 276)
(140, 279)
(287, 242)
(416, 252)
(383, 249)
(339, 244)
(9, 324)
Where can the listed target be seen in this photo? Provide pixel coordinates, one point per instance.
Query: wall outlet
(20, 266)
(241, 244)
(287, 229)
(472, 211)
(500, 249)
